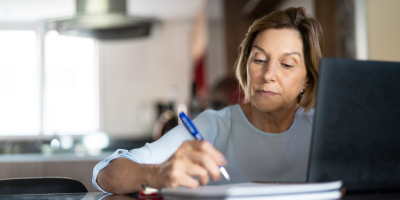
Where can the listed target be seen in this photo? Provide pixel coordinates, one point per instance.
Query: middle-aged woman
(267, 138)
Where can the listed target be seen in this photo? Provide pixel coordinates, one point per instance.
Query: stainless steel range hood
(102, 19)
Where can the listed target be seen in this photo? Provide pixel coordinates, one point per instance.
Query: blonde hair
(312, 37)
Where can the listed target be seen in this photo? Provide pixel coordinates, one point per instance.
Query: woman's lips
(266, 93)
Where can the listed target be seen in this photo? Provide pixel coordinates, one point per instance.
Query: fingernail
(223, 161)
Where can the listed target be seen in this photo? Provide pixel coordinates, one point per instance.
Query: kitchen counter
(56, 157)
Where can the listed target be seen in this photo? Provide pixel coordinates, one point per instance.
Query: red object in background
(224, 93)
(153, 195)
(200, 77)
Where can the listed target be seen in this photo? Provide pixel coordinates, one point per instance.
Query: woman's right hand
(193, 158)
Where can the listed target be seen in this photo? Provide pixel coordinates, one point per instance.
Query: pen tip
(225, 173)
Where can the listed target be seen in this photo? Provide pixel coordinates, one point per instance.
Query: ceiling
(30, 11)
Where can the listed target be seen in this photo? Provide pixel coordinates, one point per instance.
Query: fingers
(191, 169)
(206, 155)
(180, 173)
(194, 158)
(206, 147)
(188, 181)
(207, 162)
(199, 172)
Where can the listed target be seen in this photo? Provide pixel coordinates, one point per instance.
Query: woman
(265, 139)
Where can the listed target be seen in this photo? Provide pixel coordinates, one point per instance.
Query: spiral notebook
(258, 190)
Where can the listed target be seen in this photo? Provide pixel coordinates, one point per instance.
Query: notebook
(326, 190)
(356, 129)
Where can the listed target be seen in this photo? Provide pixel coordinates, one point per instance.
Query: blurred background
(81, 78)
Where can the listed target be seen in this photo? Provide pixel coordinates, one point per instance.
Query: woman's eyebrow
(292, 53)
(286, 54)
(259, 48)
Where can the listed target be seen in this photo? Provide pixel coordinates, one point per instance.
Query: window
(70, 85)
(19, 84)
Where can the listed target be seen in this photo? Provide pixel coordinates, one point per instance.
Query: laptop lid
(356, 129)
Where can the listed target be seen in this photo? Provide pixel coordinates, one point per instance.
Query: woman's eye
(258, 61)
(286, 65)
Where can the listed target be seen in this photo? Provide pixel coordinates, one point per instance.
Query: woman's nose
(269, 74)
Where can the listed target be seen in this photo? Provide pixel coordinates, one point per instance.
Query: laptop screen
(356, 130)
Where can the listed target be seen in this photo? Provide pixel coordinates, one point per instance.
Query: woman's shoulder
(219, 116)
(223, 113)
(211, 122)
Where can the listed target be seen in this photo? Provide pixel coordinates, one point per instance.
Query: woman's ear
(305, 84)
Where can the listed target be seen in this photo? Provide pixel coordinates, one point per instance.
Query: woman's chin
(270, 106)
(265, 107)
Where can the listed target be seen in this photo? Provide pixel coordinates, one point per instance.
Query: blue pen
(196, 134)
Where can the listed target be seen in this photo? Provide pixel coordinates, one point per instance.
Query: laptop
(356, 129)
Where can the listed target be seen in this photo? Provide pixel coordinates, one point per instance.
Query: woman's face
(276, 71)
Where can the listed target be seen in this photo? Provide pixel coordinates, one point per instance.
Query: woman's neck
(271, 122)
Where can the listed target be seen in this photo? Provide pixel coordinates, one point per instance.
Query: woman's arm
(118, 175)
(193, 158)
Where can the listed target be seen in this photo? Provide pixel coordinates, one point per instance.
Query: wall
(216, 55)
(309, 5)
(136, 73)
(383, 29)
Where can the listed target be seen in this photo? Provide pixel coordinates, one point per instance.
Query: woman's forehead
(284, 40)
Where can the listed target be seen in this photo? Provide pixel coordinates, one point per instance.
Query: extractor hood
(102, 19)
